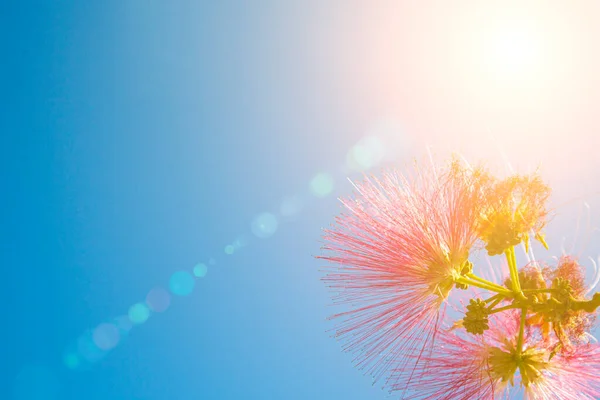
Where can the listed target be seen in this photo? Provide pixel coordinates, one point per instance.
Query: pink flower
(464, 366)
(394, 257)
(570, 376)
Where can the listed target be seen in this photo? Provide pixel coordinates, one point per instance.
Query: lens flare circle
(264, 225)
(158, 299)
(366, 154)
(200, 270)
(123, 324)
(182, 283)
(71, 360)
(321, 185)
(139, 313)
(106, 336)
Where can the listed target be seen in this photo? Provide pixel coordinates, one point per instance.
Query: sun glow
(513, 49)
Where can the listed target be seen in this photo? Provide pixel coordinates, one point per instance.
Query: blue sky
(141, 138)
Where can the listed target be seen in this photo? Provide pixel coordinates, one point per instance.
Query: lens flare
(241, 241)
(264, 225)
(88, 350)
(106, 336)
(200, 270)
(366, 154)
(71, 360)
(124, 324)
(321, 185)
(139, 313)
(182, 283)
(158, 299)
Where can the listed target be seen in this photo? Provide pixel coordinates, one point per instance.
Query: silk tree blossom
(395, 255)
(569, 325)
(463, 366)
(401, 247)
(515, 207)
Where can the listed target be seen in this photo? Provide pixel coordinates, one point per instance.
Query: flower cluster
(401, 252)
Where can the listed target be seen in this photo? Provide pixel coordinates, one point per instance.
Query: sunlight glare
(513, 49)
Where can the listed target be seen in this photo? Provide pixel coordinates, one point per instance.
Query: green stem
(483, 285)
(508, 307)
(514, 272)
(521, 331)
(588, 306)
(495, 302)
(494, 297)
(478, 279)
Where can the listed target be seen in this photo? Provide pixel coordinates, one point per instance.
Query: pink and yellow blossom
(463, 366)
(401, 248)
(394, 258)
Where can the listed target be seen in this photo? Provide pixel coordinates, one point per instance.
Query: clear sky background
(140, 139)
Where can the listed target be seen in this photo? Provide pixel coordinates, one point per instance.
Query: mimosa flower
(463, 366)
(458, 366)
(516, 207)
(568, 281)
(396, 255)
(403, 245)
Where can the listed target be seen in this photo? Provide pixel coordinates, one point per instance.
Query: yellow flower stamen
(516, 206)
(504, 363)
